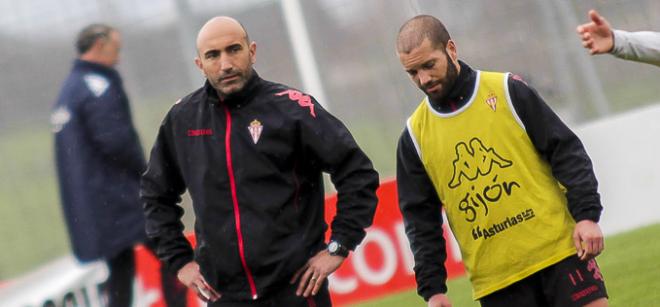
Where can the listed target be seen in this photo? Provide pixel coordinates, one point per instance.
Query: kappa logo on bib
(474, 160)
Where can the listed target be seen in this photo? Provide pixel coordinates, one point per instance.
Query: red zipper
(237, 213)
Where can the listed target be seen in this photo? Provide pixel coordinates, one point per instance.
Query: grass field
(629, 265)
(31, 225)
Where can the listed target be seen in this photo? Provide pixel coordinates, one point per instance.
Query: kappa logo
(302, 99)
(491, 101)
(474, 160)
(255, 129)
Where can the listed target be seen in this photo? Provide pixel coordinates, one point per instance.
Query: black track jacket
(252, 164)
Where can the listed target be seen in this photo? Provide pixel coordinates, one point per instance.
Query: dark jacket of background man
(99, 160)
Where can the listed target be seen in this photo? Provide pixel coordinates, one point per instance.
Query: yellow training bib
(507, 211)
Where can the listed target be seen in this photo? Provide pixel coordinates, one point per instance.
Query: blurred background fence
(352, 43)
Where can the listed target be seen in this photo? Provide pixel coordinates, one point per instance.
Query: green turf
(31, 223)
(631, 269)
(629, 265)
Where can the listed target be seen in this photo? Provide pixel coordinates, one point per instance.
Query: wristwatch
(336, 249)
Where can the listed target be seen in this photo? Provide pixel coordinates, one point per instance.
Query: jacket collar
(241, 97)
(460, 92)
(79, 64)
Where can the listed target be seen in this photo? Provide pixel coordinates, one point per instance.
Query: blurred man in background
(599, 37)
(251, 153)
(99, 162)
(516, 184)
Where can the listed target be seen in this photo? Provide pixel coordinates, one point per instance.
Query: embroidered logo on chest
(255, 129)
(200, 132)
(491, 101)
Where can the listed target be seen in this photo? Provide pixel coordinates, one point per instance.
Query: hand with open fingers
(439, 300)
(596, 35)
(315, 271)
(190, 276)
(588, 239)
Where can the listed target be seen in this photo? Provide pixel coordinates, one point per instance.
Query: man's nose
(424, 78)
(226, 64)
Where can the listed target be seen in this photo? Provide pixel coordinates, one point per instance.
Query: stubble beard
(235, 86)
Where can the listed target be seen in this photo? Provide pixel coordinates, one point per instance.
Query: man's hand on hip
(315, 271)
(190, 276)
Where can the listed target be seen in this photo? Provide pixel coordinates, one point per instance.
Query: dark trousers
(120, 282)
(284, 297)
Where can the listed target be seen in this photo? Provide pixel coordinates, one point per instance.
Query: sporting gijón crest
(255, 130)
(491, 101)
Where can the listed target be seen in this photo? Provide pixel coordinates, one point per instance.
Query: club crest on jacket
(255, 130)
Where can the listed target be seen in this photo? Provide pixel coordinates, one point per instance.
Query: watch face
(333, 246)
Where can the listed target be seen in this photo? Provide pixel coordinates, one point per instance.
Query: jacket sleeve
(352, 173)
(161, 188)
(109, 126)
(422, 217)
(559, 146)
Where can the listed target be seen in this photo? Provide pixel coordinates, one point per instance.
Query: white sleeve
(641, 46)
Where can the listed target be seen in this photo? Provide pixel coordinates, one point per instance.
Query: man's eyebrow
(235, 45)
(211, 51)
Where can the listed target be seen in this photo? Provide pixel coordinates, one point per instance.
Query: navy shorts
(570, 282)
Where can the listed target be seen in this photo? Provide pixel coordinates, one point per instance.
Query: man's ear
(198, 63)
(451, 51)
(253, 52)
(97, 46)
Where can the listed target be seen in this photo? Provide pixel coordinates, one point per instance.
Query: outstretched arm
(599, 37)
(643, 46)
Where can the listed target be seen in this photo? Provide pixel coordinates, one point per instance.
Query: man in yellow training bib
(516, 184)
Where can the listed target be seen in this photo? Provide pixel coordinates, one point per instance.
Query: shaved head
(225, 55)
(417, 29)
(220, 26)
